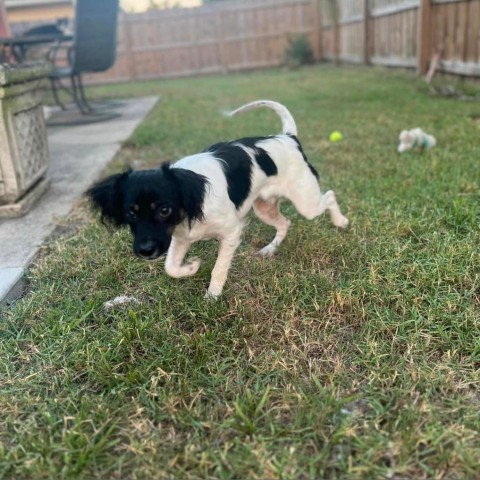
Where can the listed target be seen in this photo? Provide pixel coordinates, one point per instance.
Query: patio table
(19, 45)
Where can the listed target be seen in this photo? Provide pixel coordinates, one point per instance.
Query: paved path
(77, 156)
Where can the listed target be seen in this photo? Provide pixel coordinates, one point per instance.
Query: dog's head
(152, 203)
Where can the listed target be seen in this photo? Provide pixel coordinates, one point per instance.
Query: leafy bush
(298, 51)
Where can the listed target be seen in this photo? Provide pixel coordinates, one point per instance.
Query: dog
(415, 138)
(208, 195)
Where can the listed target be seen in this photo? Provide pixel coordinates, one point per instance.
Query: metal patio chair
(93, 49)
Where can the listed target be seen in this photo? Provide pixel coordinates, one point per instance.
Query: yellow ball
(336, 136)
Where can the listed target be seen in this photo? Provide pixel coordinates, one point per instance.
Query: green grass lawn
(350, 355)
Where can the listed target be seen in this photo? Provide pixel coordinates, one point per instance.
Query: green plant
(298, 51)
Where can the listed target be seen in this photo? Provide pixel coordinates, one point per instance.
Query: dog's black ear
(192, 187)
(107, 197)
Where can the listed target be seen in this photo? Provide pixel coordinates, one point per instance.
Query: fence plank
(472, 53)
(424, 36)
(366, 32)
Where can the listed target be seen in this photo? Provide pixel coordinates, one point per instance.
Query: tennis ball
(336, 136)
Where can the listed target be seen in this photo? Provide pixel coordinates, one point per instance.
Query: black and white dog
(208, 195)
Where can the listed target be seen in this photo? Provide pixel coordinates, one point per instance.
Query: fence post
(423, 46)
(336, 32)
(366, 33)
(128, 55)
(317, 31)
(222, 45)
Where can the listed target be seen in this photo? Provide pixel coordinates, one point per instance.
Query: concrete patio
(77, 156)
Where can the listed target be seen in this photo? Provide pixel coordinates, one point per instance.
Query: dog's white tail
(288, 123)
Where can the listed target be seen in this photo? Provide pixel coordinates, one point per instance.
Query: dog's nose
(147, 248)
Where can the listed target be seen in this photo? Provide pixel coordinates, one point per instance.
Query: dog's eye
(131, 215)
(164, 211)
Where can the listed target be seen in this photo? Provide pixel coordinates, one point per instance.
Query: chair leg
(82, 94)
(56, 97)
(79, 95)
(76, 95)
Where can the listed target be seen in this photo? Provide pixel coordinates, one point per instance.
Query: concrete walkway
(77, 156)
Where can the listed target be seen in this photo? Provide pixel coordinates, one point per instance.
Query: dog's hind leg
(329, 203)
(268, 212)
(174, 265)
(311, 203)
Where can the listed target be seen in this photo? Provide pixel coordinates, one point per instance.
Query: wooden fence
(248, 34)
(217, 38)
(404, 33)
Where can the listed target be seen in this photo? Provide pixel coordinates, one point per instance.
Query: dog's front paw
(267, 251)
(191, 266)
(341, 222)
(188, 269)
(213, 292)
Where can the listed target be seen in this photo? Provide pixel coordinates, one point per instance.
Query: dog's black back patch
(263, 159)
(300, 149)
(265, 162)
(237, 165)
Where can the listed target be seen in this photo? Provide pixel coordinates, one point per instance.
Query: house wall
(4, 27)
(45, 13)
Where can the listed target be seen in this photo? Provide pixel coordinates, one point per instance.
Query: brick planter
(23, 137)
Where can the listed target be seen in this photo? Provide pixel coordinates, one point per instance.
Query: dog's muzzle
(151, 249)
